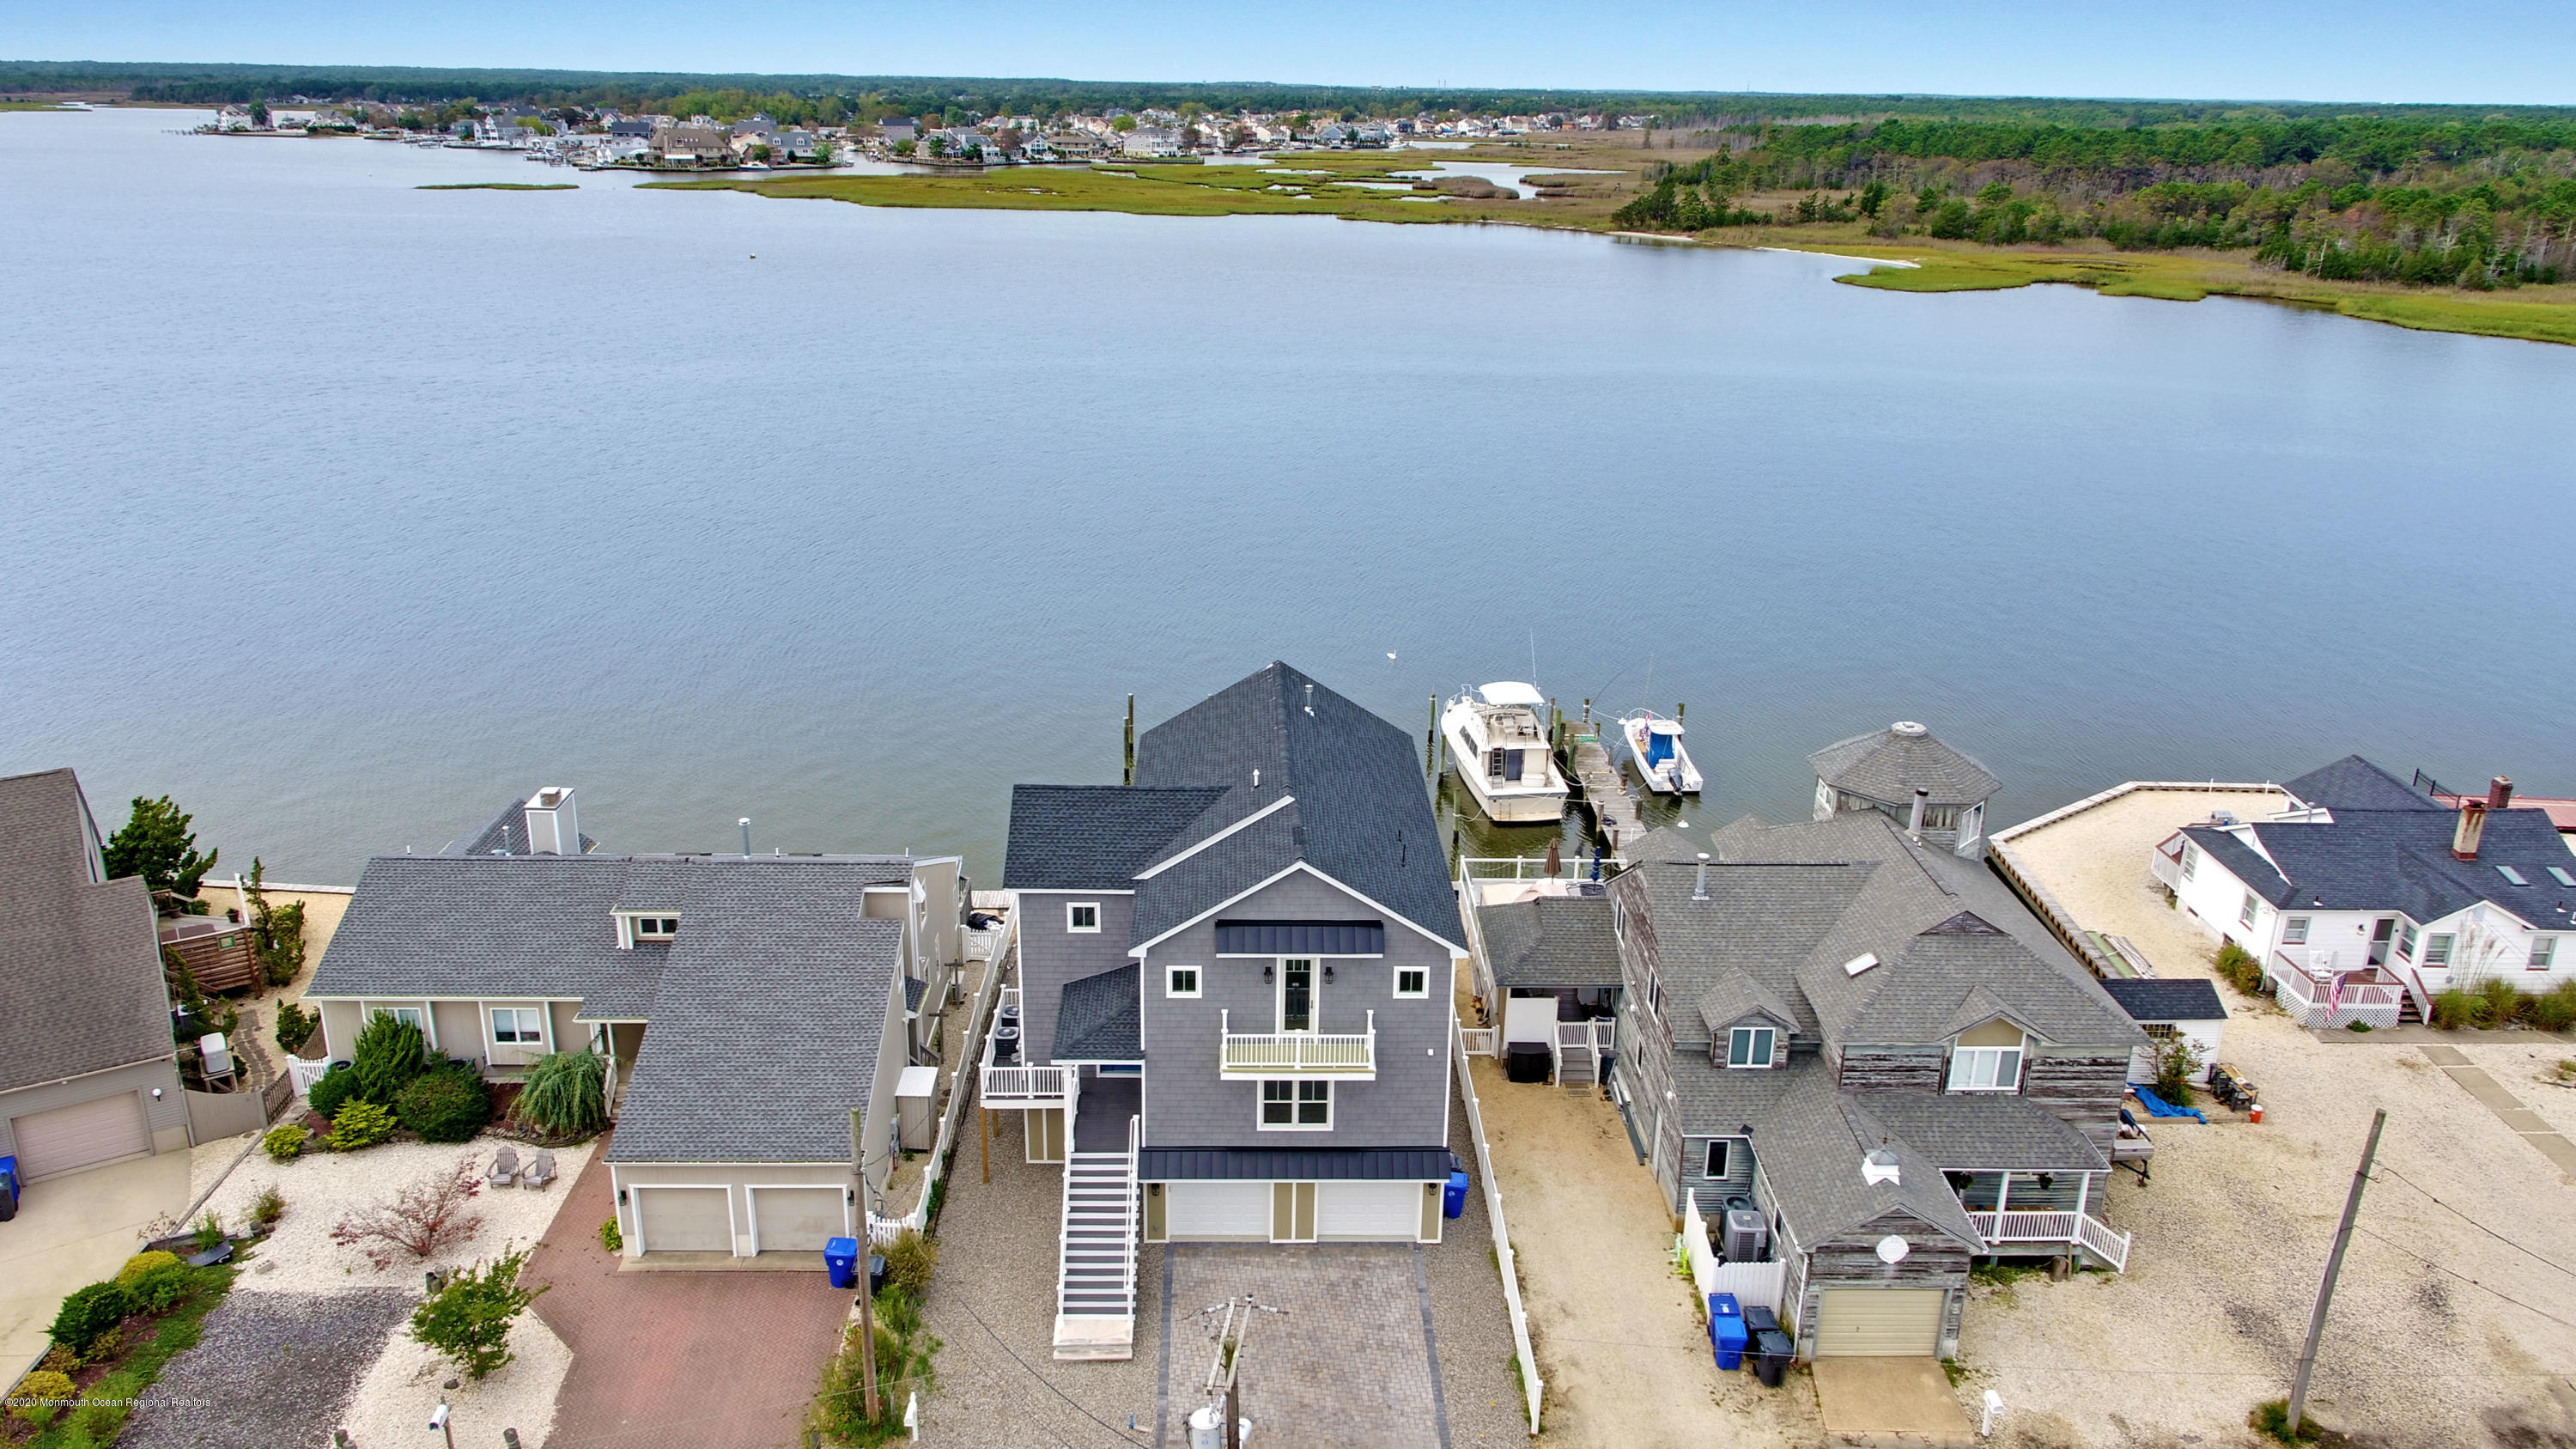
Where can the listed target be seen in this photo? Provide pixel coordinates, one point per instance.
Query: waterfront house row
(746, 1003)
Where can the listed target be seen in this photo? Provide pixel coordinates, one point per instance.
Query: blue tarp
(2158, 1107)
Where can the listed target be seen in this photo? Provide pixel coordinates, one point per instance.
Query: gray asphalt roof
(2381, 860)
(80, 962)
(1810, 1146)
(1884, 765)
(1096, 1018)
(1553, 941)
(504, 834)
(1359, 814)
(2353, 783)
(2157, 998)
(766, 1031)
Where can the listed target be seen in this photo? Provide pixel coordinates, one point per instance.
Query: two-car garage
(718, 1217)
(1293, 1212)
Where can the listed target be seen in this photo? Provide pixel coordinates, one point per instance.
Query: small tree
(2178, 1063)
(469, 1319)
(276, 934)
(565, 1093)
(388, 1055)
(431, 1214)
(157, 845)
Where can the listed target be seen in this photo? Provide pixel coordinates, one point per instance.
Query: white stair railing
(1100, 1231)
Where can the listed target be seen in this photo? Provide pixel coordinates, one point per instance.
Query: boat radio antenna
(1533, 659)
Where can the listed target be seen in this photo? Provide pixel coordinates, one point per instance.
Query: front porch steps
(1096, 1273)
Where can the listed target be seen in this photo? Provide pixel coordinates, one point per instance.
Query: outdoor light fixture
(621, 1197)
(156, 1094)
(1328, 970)
(849, 1197)
(1268, 971)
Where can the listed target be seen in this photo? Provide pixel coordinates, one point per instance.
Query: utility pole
(1131, 740)
(2334, 1266)
(867, 1294)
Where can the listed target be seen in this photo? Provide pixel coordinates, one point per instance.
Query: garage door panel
(1376, 1211)
(685, 1219)
(84, 1134)
(1217, 1210)
(797, 1219)
(1879, 1322)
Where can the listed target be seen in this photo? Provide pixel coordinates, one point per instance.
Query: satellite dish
(1892, 1250)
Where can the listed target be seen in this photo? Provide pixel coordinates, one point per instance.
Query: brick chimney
(2473, 824)
(2499, 793)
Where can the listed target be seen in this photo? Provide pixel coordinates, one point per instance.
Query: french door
(1296, 994)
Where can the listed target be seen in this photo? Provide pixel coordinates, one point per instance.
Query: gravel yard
(320, 1188)
(2447, 1326)
(274, 1368)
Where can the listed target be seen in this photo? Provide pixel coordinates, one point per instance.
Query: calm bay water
(344, 511)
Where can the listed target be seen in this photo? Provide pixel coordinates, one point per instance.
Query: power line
(2481, 1227)
(1005, 1346)
(2465, 1278)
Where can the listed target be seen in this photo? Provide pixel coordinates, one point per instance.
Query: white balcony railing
(1343, 1056)
(2307, 990)
(2096, 1237)
(1020, 1082)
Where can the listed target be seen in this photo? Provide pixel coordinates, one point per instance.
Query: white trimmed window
(2544, 949)
(1412, 981)
(518, 1025)
(2294, 931)
(1181, 981)
(2253, 907)
(1985, 1069)
(413, 1014)
(2190, 859)
(1717, 1162)
(2406, 941)
(1296, 1106)
(656, 928)
(1082, 916)
(2437, 949)
(1750, 1046)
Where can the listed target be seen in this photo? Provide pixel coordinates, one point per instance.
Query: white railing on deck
(1254, 1053)
(1027, 1084)
(2306, 990)
(2100, 1238)
(1480, 1041)
(2106, 1242)
(1503, 1255)
(883, 1230)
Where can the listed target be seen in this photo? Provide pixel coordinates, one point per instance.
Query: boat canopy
(1511, 692)
(1657, 724)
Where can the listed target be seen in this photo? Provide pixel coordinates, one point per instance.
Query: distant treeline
(2477, 202)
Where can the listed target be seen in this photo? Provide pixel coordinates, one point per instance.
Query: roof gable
(80, 962)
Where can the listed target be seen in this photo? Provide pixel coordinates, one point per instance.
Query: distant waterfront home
(640, 127)
(746, 1004)
(88, 1070)
(895, 132)
(1904, 773)
(689, 145)
(2366, 897)
(1862, 1047)
(1235, 986)
(1151, 141)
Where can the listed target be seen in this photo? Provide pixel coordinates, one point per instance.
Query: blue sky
(2506, 51)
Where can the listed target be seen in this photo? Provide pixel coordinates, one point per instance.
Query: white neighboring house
(2366, 896)
(233, 118)
(1151, 141)
(2166, 1008)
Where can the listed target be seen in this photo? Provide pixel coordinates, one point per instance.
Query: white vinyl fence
(1502, 1237)
(884, 1230)
(1755, 1285)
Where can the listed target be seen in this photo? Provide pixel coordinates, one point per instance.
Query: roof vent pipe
(1914, 817)
(2473, 824)
(745, 823)
(2499, 793)
(1310, 699)
(1699, 887)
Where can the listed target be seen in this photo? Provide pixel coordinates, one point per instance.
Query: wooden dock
(1601, 788)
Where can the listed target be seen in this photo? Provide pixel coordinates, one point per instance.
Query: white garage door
(1879, 1322)
(1217, 1210)
(685, 1219)
(68, 1139)
(1378, 1210)
(797, 1219)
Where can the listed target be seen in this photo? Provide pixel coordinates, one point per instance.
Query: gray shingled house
(1868, 1042)
(1902, 772)
(1235, 981)
(88, 1071)
(748, 1003)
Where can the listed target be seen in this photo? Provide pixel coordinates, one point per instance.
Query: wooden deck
(1601, 788)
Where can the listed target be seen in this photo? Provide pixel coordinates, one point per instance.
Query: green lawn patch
(110, 1394)
(501, 186)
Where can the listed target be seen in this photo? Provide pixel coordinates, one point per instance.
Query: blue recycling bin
(1726, 1330)
(841, 1257)
(1453, 1199)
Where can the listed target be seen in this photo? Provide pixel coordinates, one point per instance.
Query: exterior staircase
(1580, 1046)
(1095, 1295)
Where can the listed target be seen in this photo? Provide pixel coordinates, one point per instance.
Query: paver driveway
(665, 1360)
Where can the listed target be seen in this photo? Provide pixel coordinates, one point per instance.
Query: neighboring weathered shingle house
(1903, 773)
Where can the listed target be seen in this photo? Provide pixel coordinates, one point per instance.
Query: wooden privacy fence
(884, 1230)
(1502, 1237)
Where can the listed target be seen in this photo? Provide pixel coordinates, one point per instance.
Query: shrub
(445, 1105)
(2456, 1007)
(389, 1054)
(295, 1026)
(2238, 967)
(565, 1093)
(2555, 1009)
(337, 1086)
(60, 1359)
(2505, 1003)
(909, 1261)
(143, 1263)
(421, 1219)
(2177, 1062)
(612, 1237)
(284, 1144)
(2272, 1420)
(209, 1233)
(360, 1124)
(268, 1207)
(469, 1319)
(39, 1396)
(104, 1347)
(904, 1348)
(160, 1290)
(88, 1314)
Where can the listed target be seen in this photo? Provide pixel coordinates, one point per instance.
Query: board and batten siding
(1850, 1260)
(1187, 1104)
(1711, 1193)
(166, 1117)
(1051, 955)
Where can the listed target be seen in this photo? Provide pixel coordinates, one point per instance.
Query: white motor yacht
(1656, 744)
(1501, 746)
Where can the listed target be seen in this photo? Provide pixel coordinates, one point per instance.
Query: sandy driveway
(1619, 1343)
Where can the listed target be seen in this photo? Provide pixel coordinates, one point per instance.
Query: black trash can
(1773, 1361)
(1759, 1320)
(1528, 1061)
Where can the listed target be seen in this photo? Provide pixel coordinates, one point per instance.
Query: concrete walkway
(71, 1232)
(1891, 1402)
(2508, 1108)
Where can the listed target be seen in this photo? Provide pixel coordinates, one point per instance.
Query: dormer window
(1987, 1059)
(656, 928)
(1750, 1046)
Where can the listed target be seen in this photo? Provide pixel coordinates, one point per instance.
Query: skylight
(1860, 963)
(2509, 873)
(2559, 874)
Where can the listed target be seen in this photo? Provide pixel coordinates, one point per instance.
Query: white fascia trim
(1167, 862)
(1456, 951)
